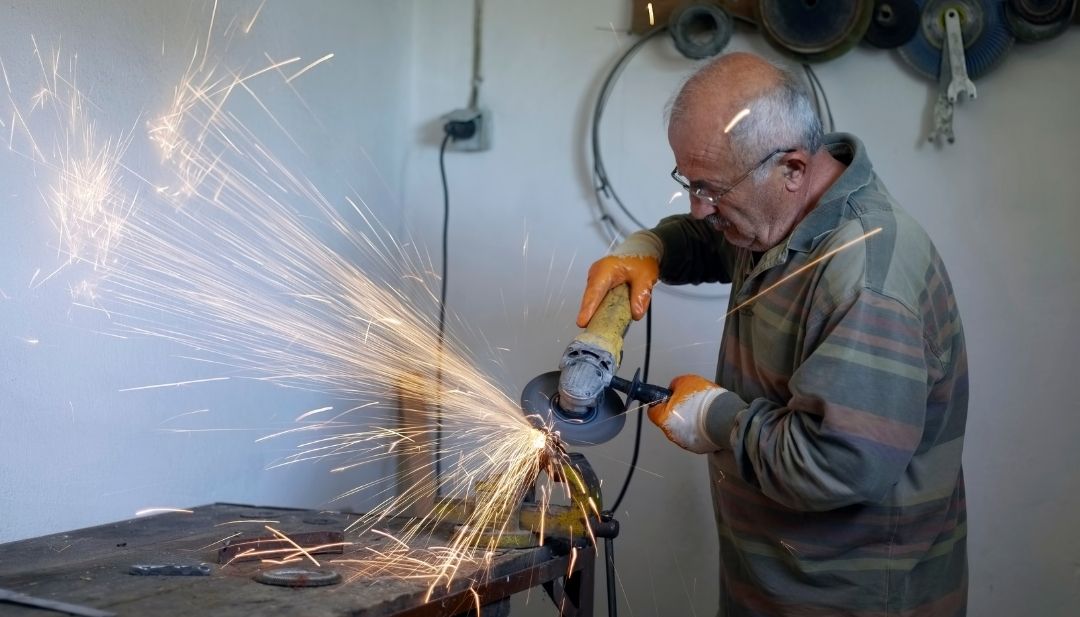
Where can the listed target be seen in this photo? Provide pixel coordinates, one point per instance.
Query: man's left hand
(682, 417)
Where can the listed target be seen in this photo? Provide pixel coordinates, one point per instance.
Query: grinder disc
(986, 36)
(1030, 26)
(894, 23)
(814, 31)
(540, 403)
(1042, 12)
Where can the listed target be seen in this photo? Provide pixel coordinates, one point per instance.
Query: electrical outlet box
(480, 139)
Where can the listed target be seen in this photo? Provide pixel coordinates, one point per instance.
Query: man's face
(751, 215)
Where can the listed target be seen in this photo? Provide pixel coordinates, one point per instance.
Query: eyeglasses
(713, 197)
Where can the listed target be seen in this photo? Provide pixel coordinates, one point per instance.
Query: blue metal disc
(991, 38)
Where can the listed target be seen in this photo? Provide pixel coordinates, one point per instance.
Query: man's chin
(734, 238)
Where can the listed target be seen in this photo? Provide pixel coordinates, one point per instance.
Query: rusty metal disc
(815, 30)
(298, 577)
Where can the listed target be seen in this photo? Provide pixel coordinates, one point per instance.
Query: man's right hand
(637, 262)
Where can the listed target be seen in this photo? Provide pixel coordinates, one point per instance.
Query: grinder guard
(578, 401)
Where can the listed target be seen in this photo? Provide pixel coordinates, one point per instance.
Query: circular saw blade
(987, 37)
(894, 22)
(812, 30)
(540, 403)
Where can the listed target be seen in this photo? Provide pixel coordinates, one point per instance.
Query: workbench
(90, 568)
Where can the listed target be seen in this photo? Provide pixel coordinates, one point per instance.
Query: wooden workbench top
(89, 567)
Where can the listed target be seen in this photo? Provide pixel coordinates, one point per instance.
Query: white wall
(74, 451)
(1002, 204)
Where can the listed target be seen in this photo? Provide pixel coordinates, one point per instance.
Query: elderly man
(835, 426)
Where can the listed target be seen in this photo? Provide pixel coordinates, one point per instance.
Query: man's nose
(699, 208)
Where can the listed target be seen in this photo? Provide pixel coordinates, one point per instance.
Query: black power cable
(817, 88)
(637, 431)
(609, 541)
(442, 312)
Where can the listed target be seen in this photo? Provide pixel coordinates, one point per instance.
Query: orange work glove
(636, 261)
(682, 417)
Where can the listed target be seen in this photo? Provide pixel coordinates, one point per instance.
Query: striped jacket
(842, 491)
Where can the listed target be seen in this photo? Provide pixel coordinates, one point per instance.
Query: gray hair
(782, 117)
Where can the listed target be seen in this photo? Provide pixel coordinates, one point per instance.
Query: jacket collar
(827, 215)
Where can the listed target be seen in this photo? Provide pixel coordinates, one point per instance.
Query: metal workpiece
(507, 532)
(522, 524)
(171, 569)
(575, 522)
(584, 484)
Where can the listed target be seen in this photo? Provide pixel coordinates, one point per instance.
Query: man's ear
(793, 168)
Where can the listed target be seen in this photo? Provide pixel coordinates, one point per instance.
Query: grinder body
(579, 400)
(593, 357)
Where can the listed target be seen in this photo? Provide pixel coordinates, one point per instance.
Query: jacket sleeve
(693, 252)
(855, 417)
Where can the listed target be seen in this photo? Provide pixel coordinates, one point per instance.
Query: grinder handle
(609, 323)
(637, 390)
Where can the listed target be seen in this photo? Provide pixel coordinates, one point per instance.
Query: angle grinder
(579, 401)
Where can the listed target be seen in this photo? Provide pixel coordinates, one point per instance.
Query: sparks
(735, 121)
(805, 267)
(149, 511)
(540, 441)
(230, 253)
(247, 28)
(246, 521)
(309, 67)
(173, 384)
